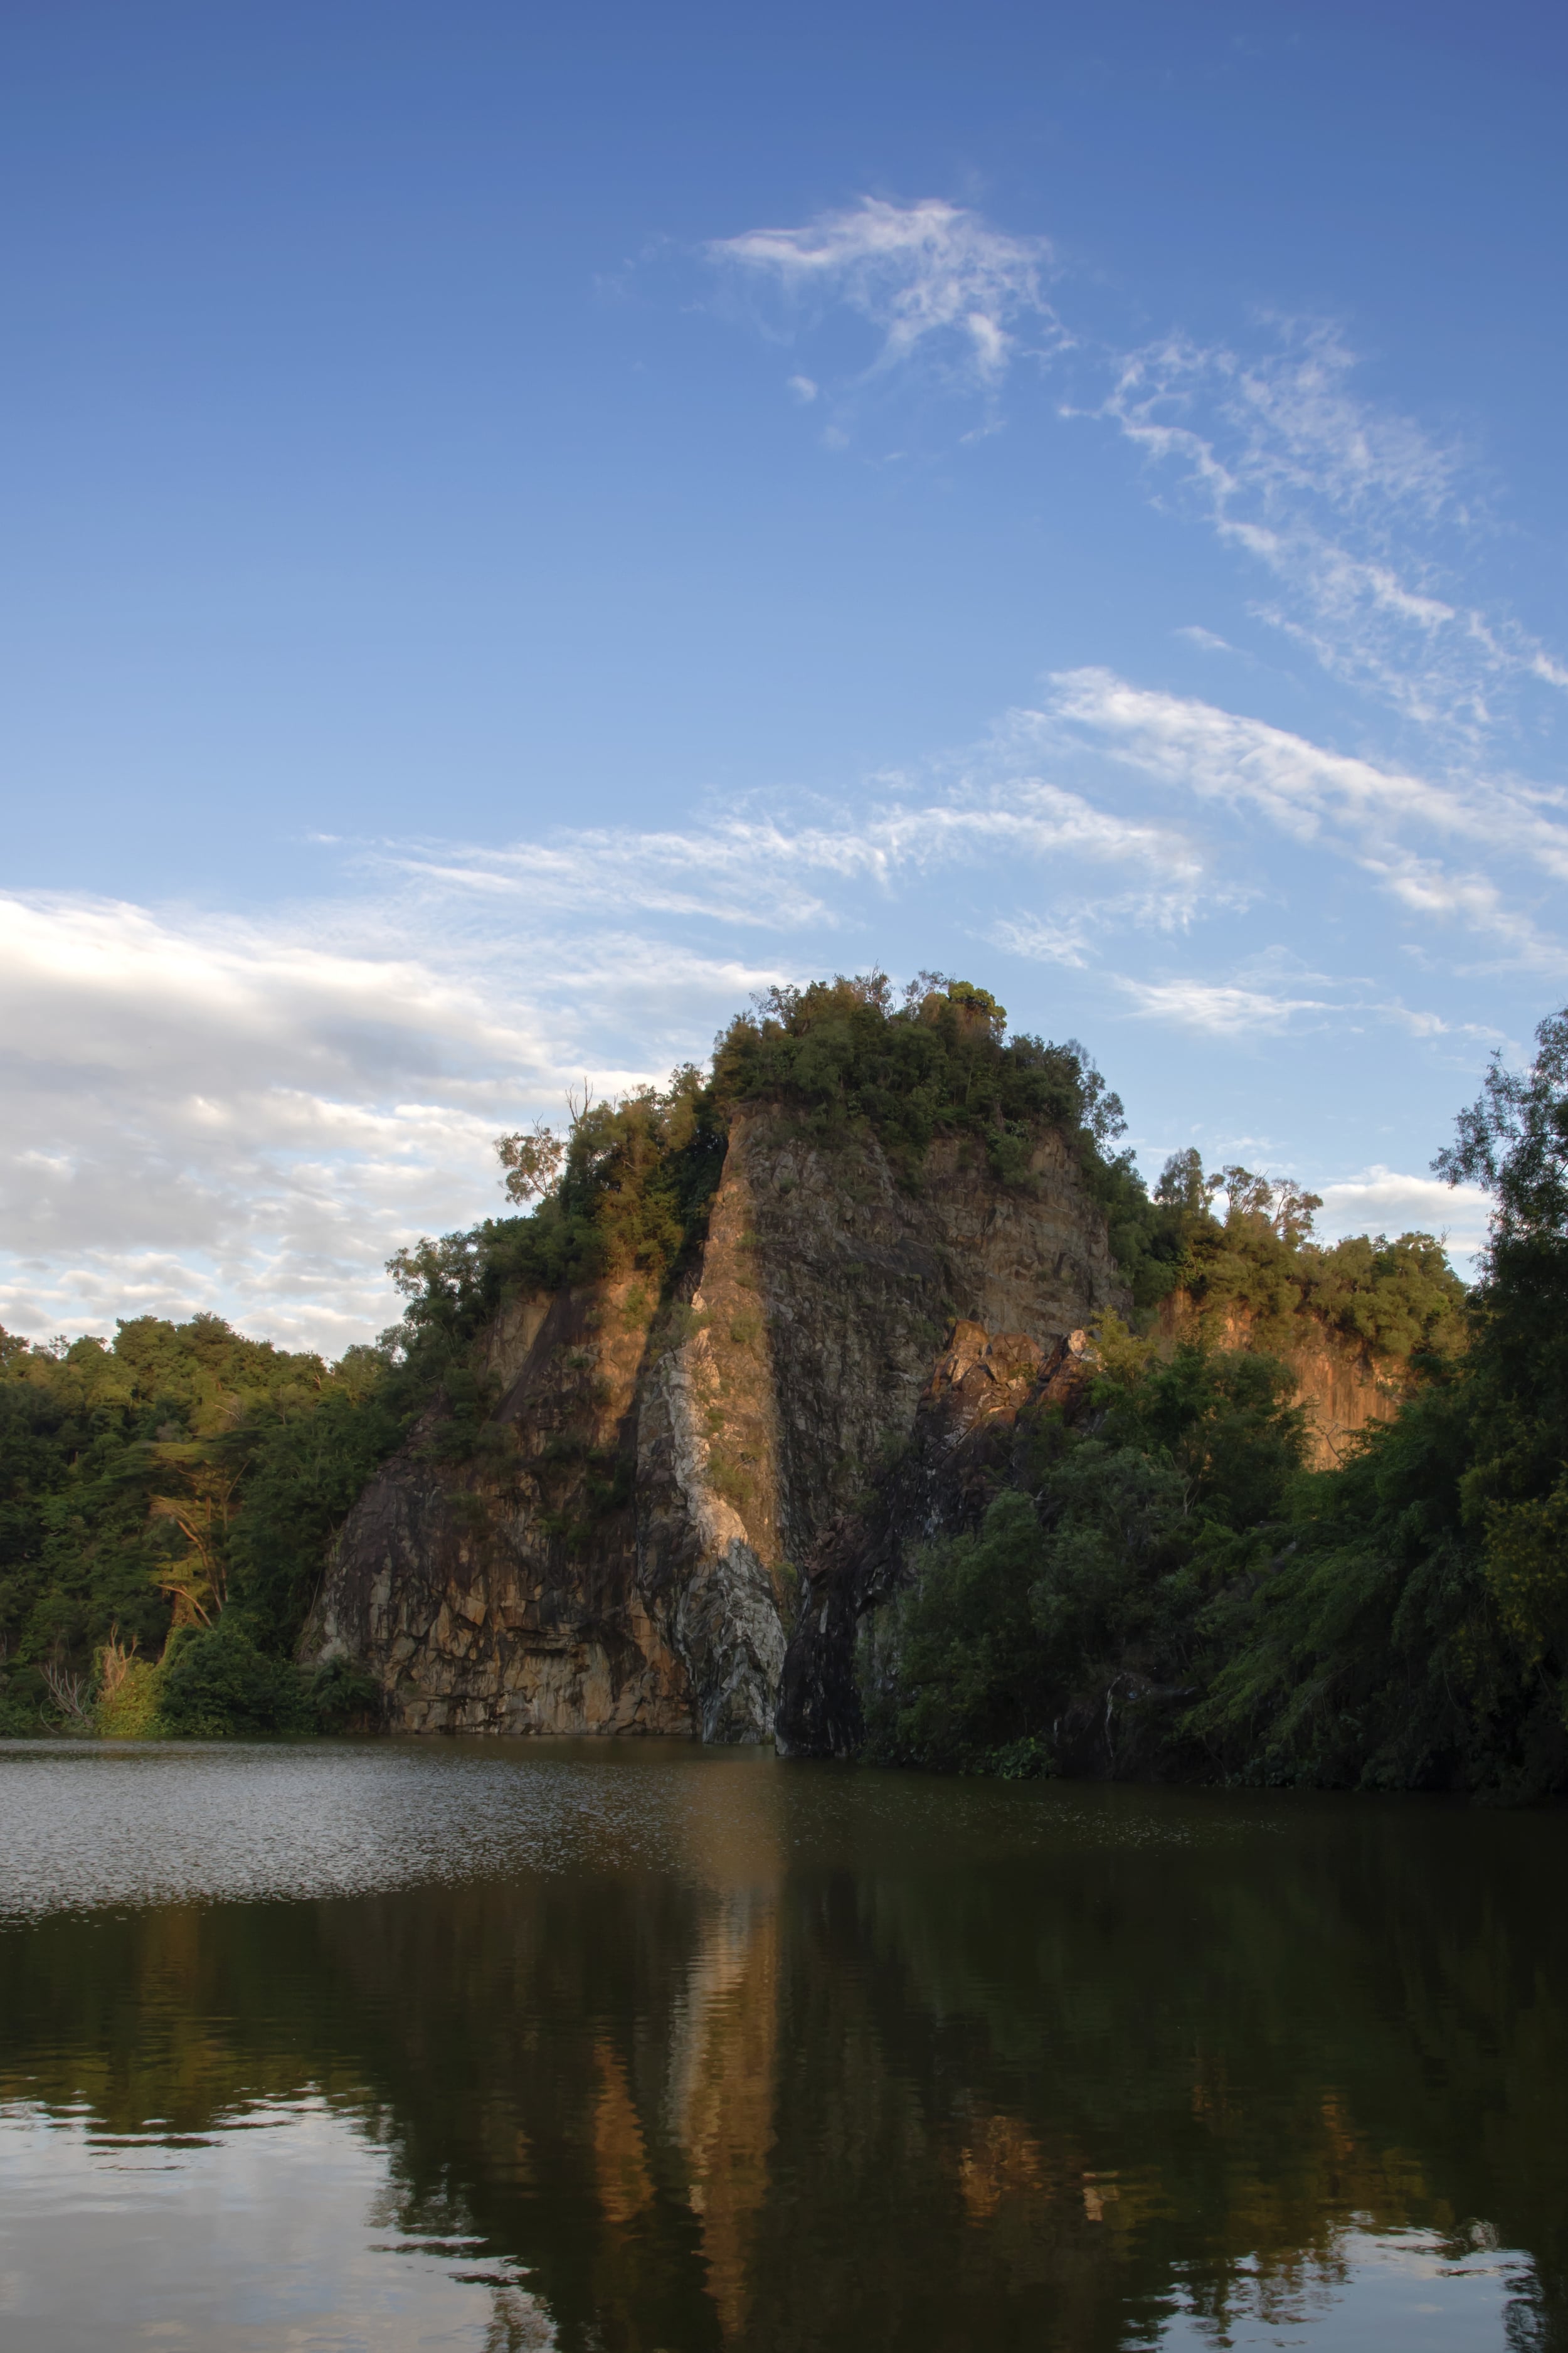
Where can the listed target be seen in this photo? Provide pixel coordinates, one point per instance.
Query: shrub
(344, 1697)
(215, 1685)
(129, 1712)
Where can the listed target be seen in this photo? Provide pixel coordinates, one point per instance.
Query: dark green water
(640, 2046)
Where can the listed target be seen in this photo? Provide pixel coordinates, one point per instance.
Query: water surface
(649, 2047)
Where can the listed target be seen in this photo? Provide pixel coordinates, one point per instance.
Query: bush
(128, 1710)
(215, 1685)
(842, 1056)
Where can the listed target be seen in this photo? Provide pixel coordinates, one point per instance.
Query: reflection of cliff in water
(784, 2097)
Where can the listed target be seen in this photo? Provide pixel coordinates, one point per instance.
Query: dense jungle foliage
(176, 1487)
(1162, 1587)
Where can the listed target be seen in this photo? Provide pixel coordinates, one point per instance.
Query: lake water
(653, 2049)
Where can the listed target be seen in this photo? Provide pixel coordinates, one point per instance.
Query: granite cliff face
(657, 1489)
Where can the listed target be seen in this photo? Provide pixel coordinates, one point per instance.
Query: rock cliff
(624, 1550)
(1342, 1384)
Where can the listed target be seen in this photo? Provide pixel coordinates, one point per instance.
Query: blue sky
(522, 527)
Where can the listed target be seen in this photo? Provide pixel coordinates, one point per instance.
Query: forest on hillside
(167, 1497)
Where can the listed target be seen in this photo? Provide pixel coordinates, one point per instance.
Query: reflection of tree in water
(1000, 2105)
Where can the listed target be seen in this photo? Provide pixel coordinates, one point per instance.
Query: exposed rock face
(1340, 1382)
(470, 1589)
(619, 1554)
(959, 1451)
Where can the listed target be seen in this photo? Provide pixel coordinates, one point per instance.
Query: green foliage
(1514, 1139)
(532, 1161)
(950, 1671)
(1260, 1265)
(1399, 1297)
(213, 1682)
(844, 1057)
(636, 1180)
(1366, 1650)
(181, 1475)
(1079, 1604)
(1421, 1634)
(303, 1471)
(344, 1698)
(130, 1711)
(215, 1685)
(1418, 1632)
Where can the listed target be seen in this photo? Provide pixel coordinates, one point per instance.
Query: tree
(1514, 1140)
(531, 1161)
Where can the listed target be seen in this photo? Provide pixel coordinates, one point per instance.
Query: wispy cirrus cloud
(1266, 998)
(1218, 1008)
(1338, 499)
(1350, 515)
(931, 278)
(770, 875)
(1388, 820)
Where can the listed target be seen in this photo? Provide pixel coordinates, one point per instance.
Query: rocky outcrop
(500, 1592)
(1341, 1383)
(622, 1549)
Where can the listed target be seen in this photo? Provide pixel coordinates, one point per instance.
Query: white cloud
(803, 387)
(929, 274)
(252, 1116)
(1347, 804)
(1273, 447)
(239, 1115)
(1218, 1008)
(1351, 507)
(1383, 1200)
(1046, 940)
(765, 874)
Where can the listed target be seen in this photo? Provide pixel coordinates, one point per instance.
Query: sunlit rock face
(1342, 1384)
(623, 1552)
